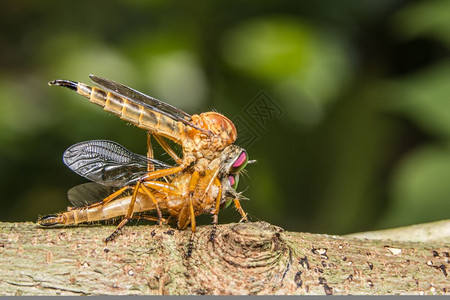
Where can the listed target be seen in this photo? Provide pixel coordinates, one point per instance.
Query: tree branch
(430, 232)
(246, 258)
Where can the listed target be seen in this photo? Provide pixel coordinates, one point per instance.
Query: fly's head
(234, 161)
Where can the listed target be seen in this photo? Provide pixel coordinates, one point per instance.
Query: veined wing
(108, 163)
(89, 193)
(144, 100)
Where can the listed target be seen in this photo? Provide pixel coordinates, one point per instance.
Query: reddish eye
(231, 179)
(240, 162)
(234, 180)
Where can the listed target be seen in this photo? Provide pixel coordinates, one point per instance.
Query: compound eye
(240, 162)
(234, 180)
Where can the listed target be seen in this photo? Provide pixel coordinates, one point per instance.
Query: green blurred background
(363, 142)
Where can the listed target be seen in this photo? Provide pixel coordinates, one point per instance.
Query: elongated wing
(108, 163)
(89, 193)
(143, 99)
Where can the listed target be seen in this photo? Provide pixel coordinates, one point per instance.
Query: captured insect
(127, 185)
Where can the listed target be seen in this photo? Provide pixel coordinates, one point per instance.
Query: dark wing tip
(65, 83)
(94, 77)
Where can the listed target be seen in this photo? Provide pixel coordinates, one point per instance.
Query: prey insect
(201, 181)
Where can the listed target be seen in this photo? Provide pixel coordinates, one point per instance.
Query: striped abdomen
(94, 213)
(129, 111)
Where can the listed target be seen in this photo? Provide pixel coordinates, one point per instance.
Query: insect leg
(216, 210)
(167, 148)
(167, 187)
(128, 215)
(150, 166)
(150, 218)
(158, 210)
(162, 186)
(162, 173)
(110, 197)
(191, 239)
(238, 206)
(192, 184)
(147, 218)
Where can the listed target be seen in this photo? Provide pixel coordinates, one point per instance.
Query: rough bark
(246, 258)
(430, 232)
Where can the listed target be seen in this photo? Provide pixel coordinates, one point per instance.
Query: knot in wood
(250, 245)
(253, 255)
(253, 243)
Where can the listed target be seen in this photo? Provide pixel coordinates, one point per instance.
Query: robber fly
(202, 181)
(111, 167)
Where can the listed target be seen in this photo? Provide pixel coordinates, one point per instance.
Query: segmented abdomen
(94, 213)
(129, 111)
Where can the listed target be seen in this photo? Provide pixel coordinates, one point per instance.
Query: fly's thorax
(220, 126)
(207, 160)
(201, 165)
(201, 159)
(220, 132)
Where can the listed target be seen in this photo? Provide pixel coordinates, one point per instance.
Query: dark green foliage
(359, 131)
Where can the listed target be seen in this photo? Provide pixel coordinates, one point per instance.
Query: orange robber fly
(127, 185)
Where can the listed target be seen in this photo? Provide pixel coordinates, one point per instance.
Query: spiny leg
(128, 215)
(216, 211)
(143, 217)
(110, 197)
(191, 239)
(166, 187)
(238, 206)
(192, 185)
(150, 166)
(146, 178)
(150, 218)
(162, 173)
(167, 148)
(158, 210)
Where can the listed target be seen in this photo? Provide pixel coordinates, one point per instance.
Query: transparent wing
(108, 163)
(89, 193)
(143, 99)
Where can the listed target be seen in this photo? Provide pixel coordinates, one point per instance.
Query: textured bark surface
(430, 232)
(246, 258)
